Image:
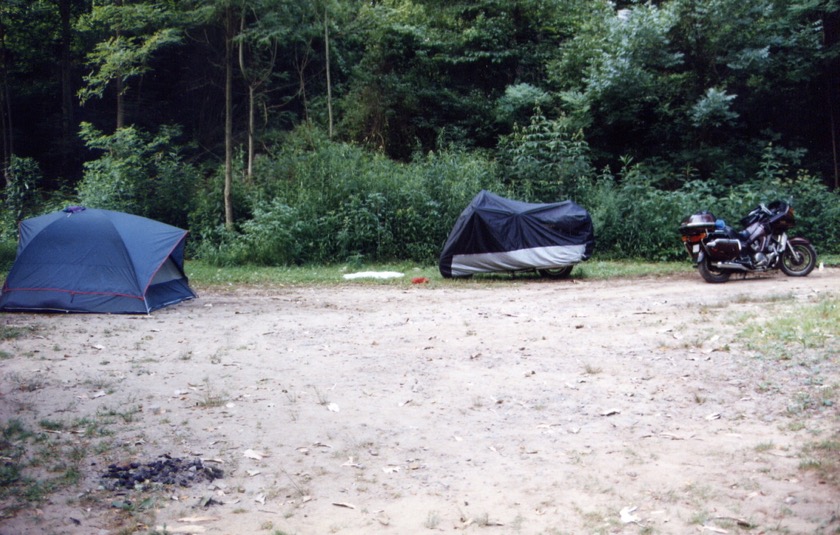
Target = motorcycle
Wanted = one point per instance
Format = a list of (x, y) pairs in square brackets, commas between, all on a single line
[(719, 251)]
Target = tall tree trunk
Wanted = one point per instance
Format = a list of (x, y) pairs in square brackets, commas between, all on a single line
[(67, 126), (301, 62), (252, 104), (228, 193), (251, 101), (120, 86), (831, 27), (327, 58), (120, 103), (832, 119), (5, 107)]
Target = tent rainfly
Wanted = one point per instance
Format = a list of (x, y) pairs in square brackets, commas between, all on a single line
[(99, 261), (495, 234)]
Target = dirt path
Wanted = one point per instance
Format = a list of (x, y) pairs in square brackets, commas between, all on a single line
[(531, 407)]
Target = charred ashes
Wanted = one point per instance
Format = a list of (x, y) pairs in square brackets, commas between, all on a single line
[(164, 471)]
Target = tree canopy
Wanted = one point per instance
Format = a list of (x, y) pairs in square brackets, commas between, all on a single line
[(558, 97)]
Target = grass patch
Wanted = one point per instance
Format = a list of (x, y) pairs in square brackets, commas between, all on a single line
[(51, 425), (211, 397), (25, 383), (608, 269), (744, 299), (43, 457), (813, 326), (823, 458), (764, 446), (92, 427), (124, 414), (24, 453), (11, 332), (829, 260), (807, 336), (203, 274)]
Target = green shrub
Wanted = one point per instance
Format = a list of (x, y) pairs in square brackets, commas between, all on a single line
[(21, 194), (817, 212), (139, 173), (544, 162), (317, 201), (637, 218), (8, 252)]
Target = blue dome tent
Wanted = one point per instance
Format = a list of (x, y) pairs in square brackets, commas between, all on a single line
[(100, 261)]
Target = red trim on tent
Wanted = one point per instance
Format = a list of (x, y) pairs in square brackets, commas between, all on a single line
[(73, 292)]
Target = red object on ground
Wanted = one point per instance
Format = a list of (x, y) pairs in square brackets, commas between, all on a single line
[(419, 280)]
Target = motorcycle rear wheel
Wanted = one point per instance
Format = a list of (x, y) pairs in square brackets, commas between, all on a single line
[(711, 273), (802, 266)]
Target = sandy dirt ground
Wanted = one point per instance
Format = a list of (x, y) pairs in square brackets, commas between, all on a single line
[(498, 407)]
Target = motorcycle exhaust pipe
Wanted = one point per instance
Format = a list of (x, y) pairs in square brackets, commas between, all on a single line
[(730, 265)]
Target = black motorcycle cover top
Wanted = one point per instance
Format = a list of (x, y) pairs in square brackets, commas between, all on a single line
[(497, 234)]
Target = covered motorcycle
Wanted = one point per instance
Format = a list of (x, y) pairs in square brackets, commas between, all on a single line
[(762, 245), (495, 234)]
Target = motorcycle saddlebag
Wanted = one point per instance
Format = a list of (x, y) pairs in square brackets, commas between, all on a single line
[(723, 249)]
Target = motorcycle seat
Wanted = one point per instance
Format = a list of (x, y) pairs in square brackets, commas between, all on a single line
[(730, 233)]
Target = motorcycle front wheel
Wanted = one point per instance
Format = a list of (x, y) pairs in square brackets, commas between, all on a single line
[(798, 260), (710, 273)]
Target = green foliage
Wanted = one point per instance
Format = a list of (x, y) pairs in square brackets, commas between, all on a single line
[(817, 208), (22, 194), (691, 90), (634, 218), (817, 211), (8, 253), (266, 239), (701, 83), (519, 102), (135, 31), (319, 201), (472, 67), (138, 173), (636, 44), (544, 162), (713, 109), (635, 49)]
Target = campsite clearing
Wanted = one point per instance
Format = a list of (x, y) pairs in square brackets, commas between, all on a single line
[(648, 405)]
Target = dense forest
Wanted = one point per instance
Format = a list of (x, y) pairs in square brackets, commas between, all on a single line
[(296, 131)]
